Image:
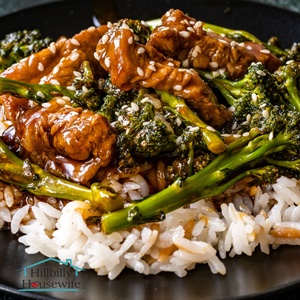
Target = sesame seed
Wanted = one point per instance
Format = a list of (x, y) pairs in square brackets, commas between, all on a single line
[(52, 47), (265, 51), (248, 117), (152, 62), (223, 41), (126, 122), (109, 24), (125, 26), (71, 88), (234, 126), (215, 73), (254, 97), (178, 121), (184, 34), (179, 140), (198, 49), (61, 101), (194, 129), (130, 40), (46, 104), (85, 89), (237, 136), (120, 118), (54, 81), (74, 56), (136, 38), (107, 62), (198, 24), (181, 70), (242, 44), (231, 109), (170, 64), (152, 68), (246, 134), (104, 39), (96, 56), (140, 71), (134, 106), (40, 94), (75, 42), (260, 72), (233, 43), (208, 76), (271, 135), (168, 13), (31, 59), (266, 114), (210, 128), (66, 98), (141, 50), (91, 28), (191, 29), (41, 66), (77, 73), (195, 53), (55, 70), (177, 87), (185, 63), (163, 28), (171, 19), (249, 48), (213, 64)]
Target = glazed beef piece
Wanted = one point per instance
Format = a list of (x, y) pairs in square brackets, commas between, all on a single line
[(57, 63), (70, 142), (133, 65), (183, 38)]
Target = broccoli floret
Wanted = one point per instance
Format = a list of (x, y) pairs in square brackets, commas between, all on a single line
[(211, 137), (20, 44), (180, 167), (257, 101), (141, 30), (143, 130), (288, 82), (114, 97)]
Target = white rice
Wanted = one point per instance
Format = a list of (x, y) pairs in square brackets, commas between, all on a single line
[(186, 238)]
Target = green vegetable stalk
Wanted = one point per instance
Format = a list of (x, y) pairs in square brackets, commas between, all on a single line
[(243, 157), (35, 180)]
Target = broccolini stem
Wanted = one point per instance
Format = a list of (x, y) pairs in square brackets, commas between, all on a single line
[(211, 137), (234, 34), (212, 180), (40, 183)]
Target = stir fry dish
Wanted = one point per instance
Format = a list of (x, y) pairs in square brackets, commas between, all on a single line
[(169, 144)]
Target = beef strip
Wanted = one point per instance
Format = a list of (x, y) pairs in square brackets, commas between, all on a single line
[(56, 63), (68, 141), (133, 65), (184, 39)]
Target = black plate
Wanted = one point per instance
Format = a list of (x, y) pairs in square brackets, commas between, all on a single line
[(259, 276)]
